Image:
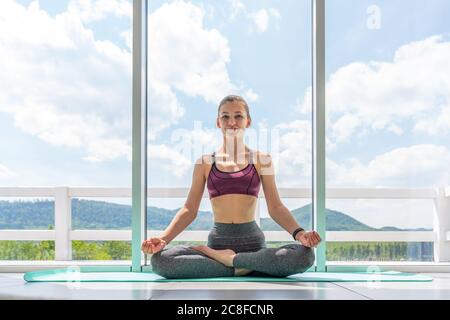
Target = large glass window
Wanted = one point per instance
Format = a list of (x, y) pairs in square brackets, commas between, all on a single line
[(65, 117), (201, 51), (388, 82)]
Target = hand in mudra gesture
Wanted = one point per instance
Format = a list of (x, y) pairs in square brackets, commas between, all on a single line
[(308, 238), (153, 245)]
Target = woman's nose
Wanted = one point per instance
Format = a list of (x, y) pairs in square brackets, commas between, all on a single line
[(231, 121)]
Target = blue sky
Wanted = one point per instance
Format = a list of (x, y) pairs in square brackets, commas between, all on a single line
[(66, 104)]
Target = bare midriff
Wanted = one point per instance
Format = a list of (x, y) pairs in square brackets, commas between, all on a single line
[(232, 208)]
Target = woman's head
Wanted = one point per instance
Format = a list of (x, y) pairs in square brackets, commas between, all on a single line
[(233, 113)]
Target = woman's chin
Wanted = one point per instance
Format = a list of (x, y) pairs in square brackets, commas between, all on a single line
[(236, 133)]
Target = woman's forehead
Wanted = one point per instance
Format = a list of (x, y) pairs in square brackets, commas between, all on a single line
[(232, 107)]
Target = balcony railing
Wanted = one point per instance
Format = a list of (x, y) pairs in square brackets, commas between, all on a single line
[(63, 234)]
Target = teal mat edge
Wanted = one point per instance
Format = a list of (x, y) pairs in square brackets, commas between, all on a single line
[(400, 277)]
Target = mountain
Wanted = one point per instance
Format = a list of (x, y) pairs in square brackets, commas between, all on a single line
[(89, 214)]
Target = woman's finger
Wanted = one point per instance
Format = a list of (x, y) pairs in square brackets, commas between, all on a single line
[(308, 241), (316, 238), (313, 241)]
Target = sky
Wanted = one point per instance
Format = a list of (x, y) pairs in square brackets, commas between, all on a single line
[(65, 98)]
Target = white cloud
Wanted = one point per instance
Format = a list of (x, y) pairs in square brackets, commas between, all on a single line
[(424, 165), (164, 109), (237, 7), (31, 26), (419, 166), (410, 93), (250, 95), (275, 13), (71, 130), (436, 125), (291, 153), (108, 149), (95, 10), (187, 145), (291, 150), (186, 56), (260, 19), (304, 105), (415, 166), (127, 35), (69, 89), (344, 126), (166, 158), (6, 172), (63, 86)]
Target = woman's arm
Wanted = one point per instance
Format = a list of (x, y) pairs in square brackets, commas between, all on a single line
[(188, 212), (279, 213)]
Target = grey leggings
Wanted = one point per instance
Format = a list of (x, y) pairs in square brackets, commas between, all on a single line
[(248, 241)]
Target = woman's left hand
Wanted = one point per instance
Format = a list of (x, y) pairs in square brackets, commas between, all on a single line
[(308, 238)]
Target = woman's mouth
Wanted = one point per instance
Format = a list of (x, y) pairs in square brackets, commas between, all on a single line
[(233, 131)]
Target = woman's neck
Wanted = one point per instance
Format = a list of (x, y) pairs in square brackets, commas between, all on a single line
[(234, 151)]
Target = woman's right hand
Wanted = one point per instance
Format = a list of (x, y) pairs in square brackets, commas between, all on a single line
[(153, 245)]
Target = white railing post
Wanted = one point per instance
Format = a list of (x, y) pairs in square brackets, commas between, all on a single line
[(441, 225), (63, 224)]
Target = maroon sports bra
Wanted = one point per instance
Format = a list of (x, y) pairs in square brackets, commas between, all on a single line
[(245, 181)]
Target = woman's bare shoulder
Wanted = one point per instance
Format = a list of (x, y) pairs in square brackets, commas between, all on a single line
[(204, 162), (262, 158), (264, 163), (204, 159)]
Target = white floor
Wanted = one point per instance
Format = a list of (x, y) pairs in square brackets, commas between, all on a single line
[(12, 286)]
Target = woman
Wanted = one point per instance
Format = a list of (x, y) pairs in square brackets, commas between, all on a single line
[(236, 244)]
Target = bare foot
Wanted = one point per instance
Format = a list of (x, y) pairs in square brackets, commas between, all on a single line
[(241, 271), (223, 256)]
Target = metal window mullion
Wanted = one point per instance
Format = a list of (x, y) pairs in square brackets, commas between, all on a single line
[(139, 136), (318, 128)]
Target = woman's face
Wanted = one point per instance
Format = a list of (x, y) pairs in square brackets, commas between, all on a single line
[(233, 119)]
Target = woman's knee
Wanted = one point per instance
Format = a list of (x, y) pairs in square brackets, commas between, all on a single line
[(164, 262), (302, 258)]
